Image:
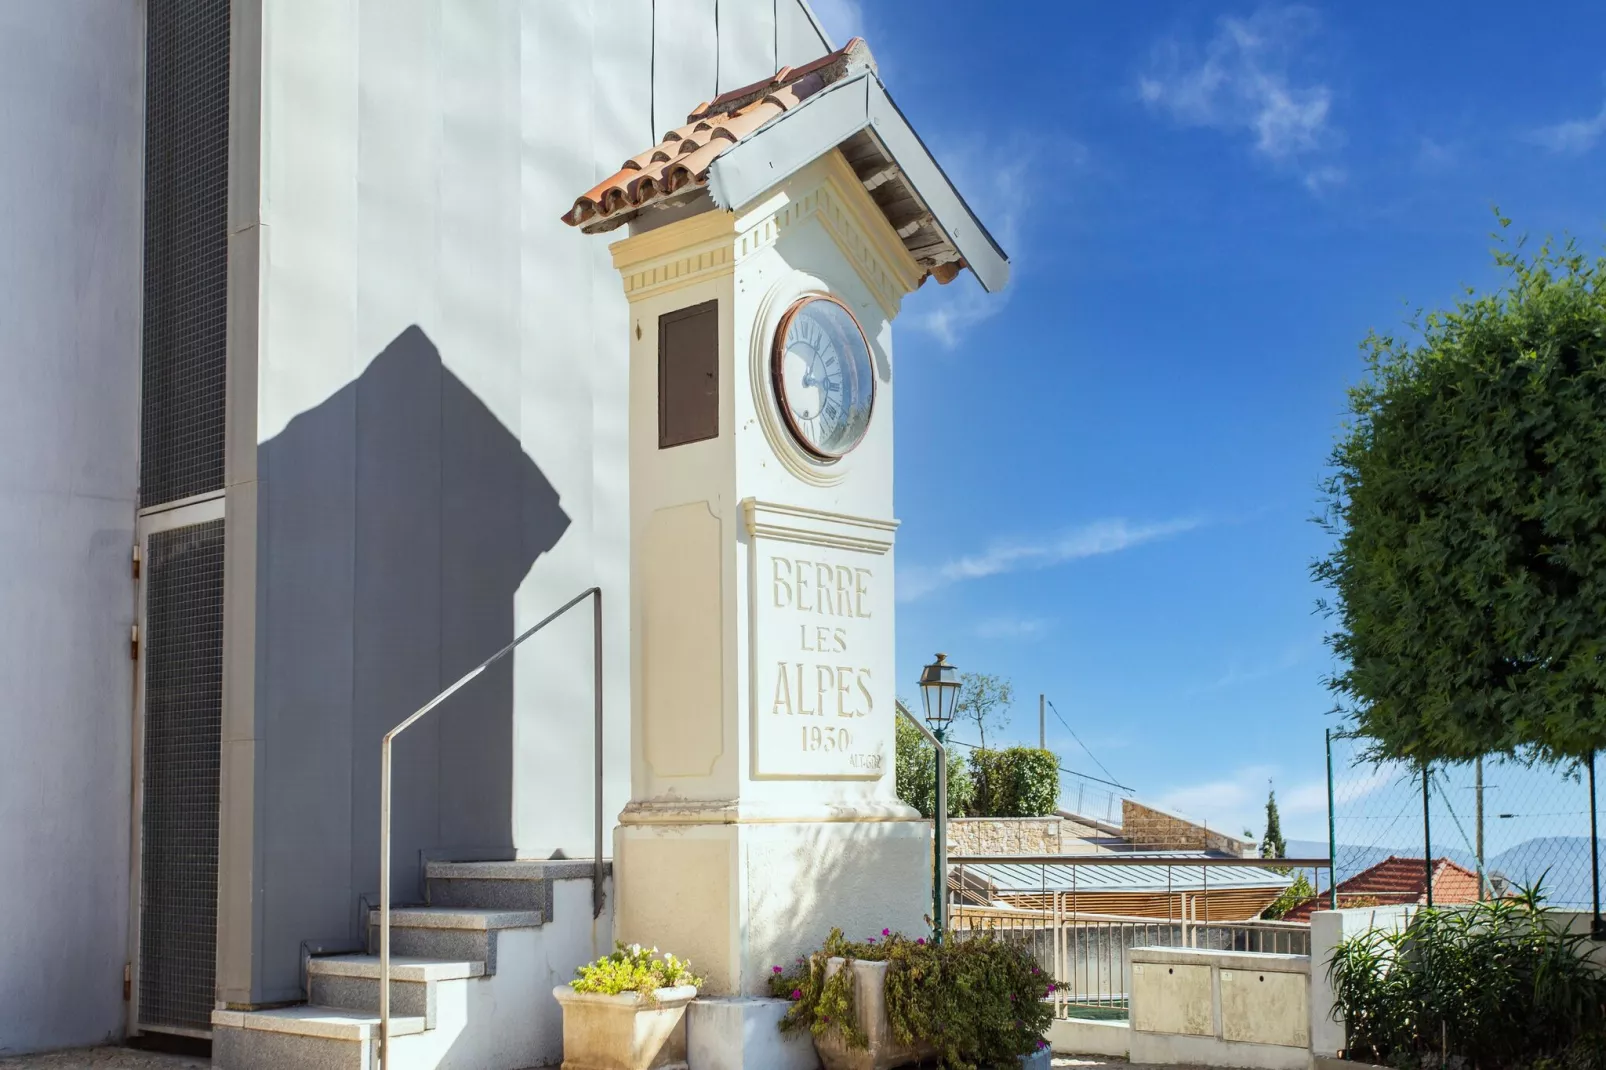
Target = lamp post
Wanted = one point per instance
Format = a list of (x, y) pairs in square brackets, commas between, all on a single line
[(939, 691)]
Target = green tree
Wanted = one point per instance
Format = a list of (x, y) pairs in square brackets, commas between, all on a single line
[(1015, 782), (1468, 501), (915, 766), (1272, 845), (984, 701)]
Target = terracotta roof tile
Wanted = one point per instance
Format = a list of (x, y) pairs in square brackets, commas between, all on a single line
[(1396, 880), (680, 161)]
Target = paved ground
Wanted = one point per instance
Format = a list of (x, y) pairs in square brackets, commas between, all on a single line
[(1100, 1062), (103, 1059), (129, 1059)]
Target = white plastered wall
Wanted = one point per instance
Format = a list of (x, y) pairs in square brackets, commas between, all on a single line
[(71, 78), (415, 157)]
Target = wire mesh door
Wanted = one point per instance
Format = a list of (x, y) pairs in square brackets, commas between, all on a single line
[(181, 707)]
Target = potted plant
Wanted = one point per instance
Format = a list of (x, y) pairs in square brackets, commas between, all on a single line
[(627, 1011), (889, 1001)]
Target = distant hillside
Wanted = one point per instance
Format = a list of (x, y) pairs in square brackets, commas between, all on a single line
[(1559, 864)]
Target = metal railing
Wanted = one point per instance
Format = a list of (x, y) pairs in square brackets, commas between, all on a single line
[(594, 593), (939, 897), (1087, 953)]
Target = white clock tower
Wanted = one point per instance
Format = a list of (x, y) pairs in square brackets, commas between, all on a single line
[(772, 240)]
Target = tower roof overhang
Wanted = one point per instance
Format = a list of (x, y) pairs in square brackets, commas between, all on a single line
[(744, 142)]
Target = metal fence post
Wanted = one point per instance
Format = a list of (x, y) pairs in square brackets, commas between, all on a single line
[(1332, 824), (1597, 928), (1427, 836)]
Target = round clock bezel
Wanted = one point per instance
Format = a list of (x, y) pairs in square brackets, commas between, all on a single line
[(778, 381)]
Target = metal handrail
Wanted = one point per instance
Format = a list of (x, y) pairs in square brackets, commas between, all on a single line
[(1120, 859), (384, 792)]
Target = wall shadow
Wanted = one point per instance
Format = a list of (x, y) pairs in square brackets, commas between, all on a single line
[(397, 520)]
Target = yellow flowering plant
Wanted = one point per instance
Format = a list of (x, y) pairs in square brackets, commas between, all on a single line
[(633, 968)]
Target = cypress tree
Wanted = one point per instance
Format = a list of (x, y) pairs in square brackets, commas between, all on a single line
[(1273, 845)]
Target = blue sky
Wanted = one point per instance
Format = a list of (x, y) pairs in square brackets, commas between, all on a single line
[(1106, 473)]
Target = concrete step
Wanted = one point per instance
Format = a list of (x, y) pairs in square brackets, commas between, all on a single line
[(302, 1038), (352, 982), (453, 934), (516, 885), (452, 1008)]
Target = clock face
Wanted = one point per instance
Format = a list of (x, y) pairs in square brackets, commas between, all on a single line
[(823, 377)]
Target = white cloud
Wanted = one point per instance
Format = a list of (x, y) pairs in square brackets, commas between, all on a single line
[(1230, 804), (842, 19), (1090, 540), (949, 313), (1237, 802), (1242, 81), (1238, 674), (1311, 796), (1433, 155), (1307, 798), (1012, 627), (992, 177), (1573, 136)]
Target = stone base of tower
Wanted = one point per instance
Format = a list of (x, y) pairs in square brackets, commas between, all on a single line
[(741, 898)]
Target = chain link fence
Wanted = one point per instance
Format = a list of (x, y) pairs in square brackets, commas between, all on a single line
[(1495, 827)]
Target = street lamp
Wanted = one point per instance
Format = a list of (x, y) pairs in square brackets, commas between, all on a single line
[(939, 690)]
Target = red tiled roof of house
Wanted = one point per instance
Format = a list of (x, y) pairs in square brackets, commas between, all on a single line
[(679, 163), (1396, 880)]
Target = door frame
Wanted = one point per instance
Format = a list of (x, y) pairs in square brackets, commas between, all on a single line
[(184, 513)]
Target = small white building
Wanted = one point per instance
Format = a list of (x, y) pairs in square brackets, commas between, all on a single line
[(313, 402)]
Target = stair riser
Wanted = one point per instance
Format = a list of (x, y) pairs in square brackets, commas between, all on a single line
[(491, 894), (362, 994), (456, 945), (255, 1049)]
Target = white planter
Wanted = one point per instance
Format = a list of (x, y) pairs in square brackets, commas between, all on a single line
[(870, 1006), (631, 1031)]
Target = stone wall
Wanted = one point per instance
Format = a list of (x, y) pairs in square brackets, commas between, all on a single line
[(1145, 827), (1005, 836)]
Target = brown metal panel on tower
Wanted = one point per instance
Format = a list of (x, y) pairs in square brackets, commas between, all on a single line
[(688, 375)]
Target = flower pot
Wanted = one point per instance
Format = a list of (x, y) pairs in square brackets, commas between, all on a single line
[(1041, 1059), (630, 1031), (870, 1006)]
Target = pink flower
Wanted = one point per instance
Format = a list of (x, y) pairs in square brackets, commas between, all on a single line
[(886, 932), (797, 993), (871, 940), (921, 942), (776, 969)]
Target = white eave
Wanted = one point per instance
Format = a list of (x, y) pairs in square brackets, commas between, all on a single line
[(858, 116)]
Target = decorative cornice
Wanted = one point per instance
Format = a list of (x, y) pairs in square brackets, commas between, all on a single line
[(851, 218), (816, 527), (712, 243), (676, 254), (746, 812)]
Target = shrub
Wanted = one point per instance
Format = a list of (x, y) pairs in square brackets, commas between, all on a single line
[(978, 1001), (1015, 782), (916, 768), (633, 969), (1500, 984), (1291, 897)]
